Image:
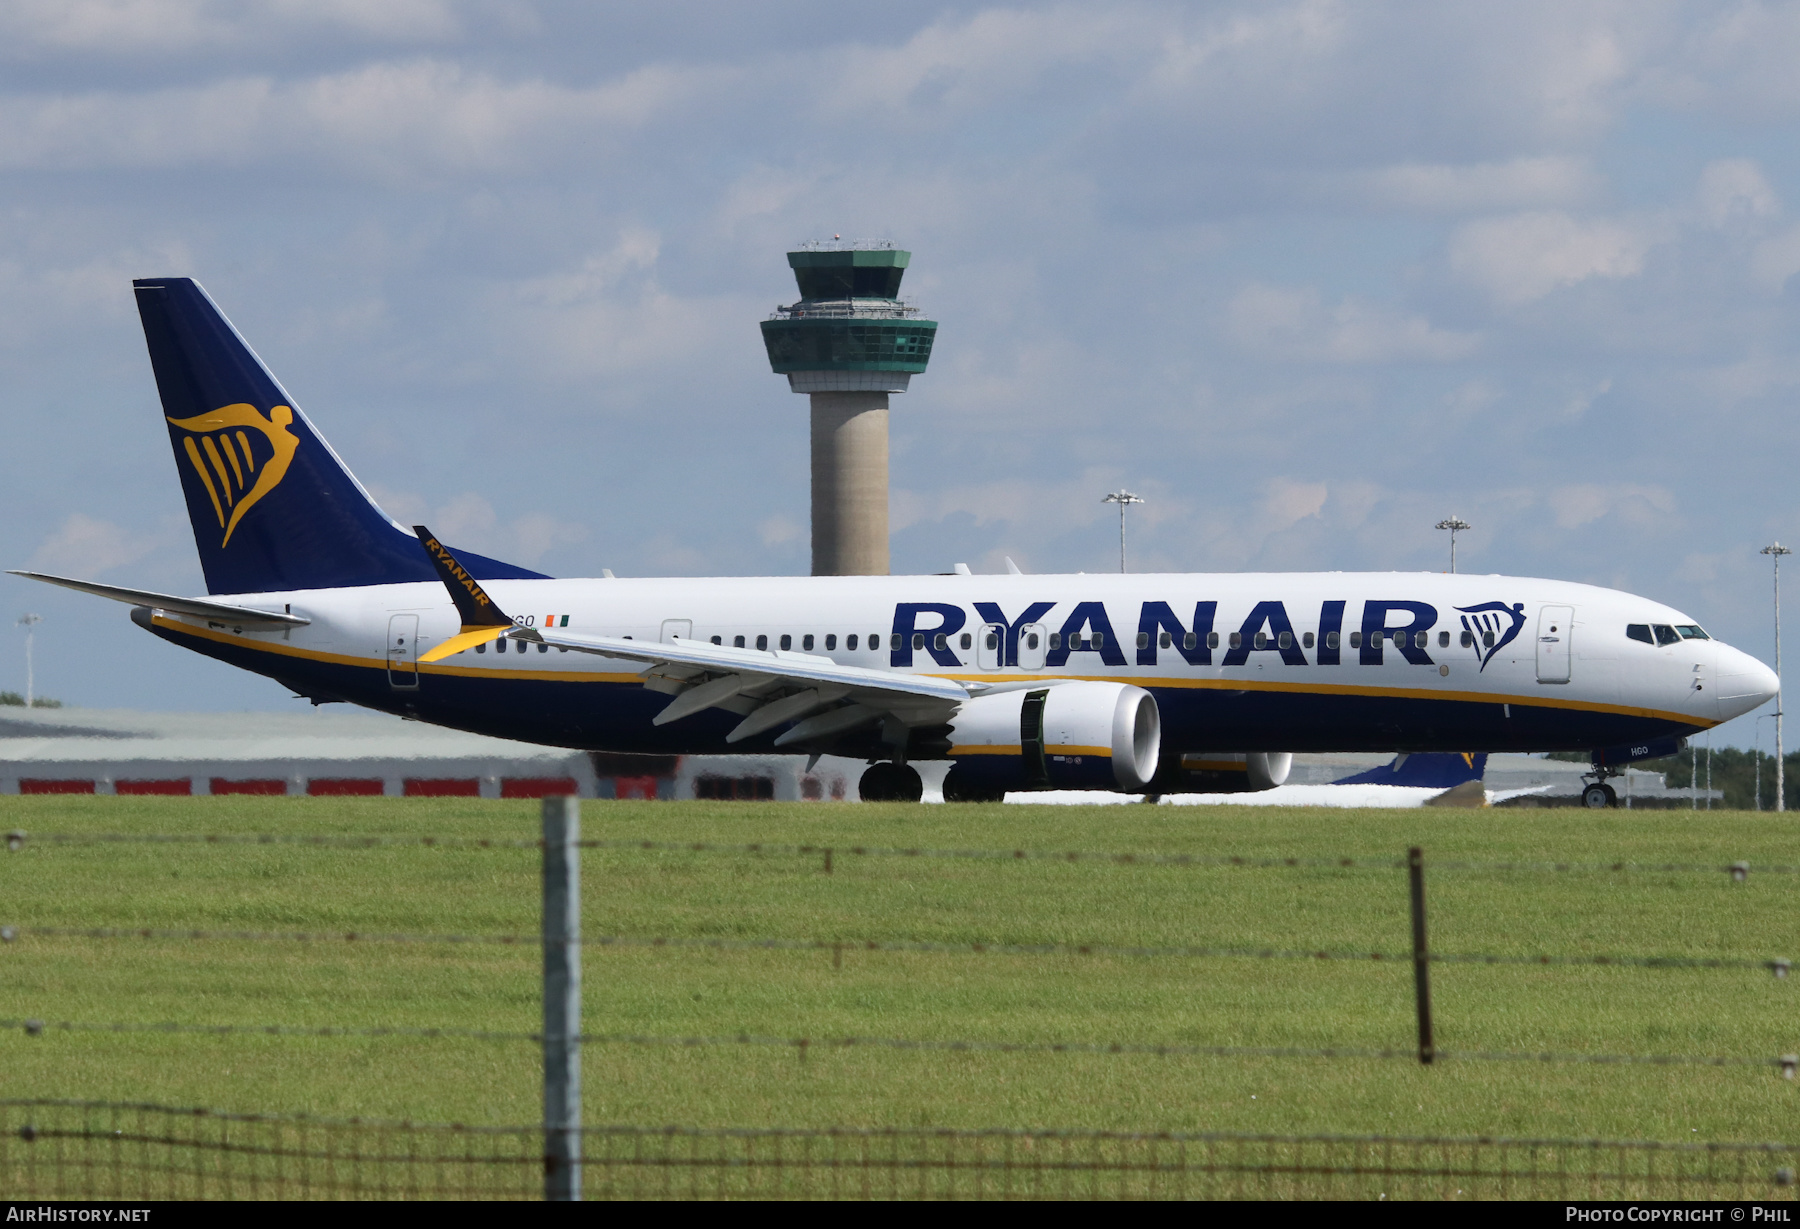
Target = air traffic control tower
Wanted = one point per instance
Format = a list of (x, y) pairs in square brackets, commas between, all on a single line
[(848, 343)]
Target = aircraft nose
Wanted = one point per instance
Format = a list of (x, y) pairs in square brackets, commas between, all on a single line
[(1744, 683)]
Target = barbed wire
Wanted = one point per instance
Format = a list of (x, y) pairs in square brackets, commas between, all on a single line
[(18, 840), (1788, 1063), (1779, 966)]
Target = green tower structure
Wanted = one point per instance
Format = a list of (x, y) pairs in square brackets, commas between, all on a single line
[(848, 344)]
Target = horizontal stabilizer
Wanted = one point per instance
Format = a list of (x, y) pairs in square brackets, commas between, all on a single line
[(197, 607), (1425, 770)]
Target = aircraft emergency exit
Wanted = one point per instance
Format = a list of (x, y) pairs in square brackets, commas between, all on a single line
[(1160, 683)]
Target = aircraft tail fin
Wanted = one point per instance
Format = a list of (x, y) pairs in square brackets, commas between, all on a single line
[(272, 506)]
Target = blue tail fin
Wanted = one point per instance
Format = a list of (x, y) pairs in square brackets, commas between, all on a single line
[(272, 506)]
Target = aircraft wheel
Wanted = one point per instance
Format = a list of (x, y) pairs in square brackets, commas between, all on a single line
[(887, 782), (956, 789), (1598, 796)]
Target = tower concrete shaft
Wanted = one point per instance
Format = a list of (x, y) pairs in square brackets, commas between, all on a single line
[(849, 484)]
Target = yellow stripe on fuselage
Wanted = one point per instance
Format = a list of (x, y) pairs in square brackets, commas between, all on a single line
[(1150, 684)]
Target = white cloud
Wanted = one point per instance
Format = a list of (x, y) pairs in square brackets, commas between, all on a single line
[(1524, 257), (1295, 323), (1734, 190), (386, 118), (1519, 183), (148, 27), (468, 522), (1583, 503), (85, 547), (1775, 260)]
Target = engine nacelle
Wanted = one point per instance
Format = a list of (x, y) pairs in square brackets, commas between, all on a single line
[(1224, 772), (1077, 735)]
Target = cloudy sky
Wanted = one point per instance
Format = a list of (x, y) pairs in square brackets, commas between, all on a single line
[(1308, 276)]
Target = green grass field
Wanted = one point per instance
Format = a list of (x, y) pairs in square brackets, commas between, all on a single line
[(1070, 997)]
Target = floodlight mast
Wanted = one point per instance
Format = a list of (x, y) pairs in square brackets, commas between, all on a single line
[(1124, 499), (1453, 524), (29, 622), (1775, 551)]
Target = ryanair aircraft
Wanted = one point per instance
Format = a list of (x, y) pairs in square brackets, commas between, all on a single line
[(1157, 683)]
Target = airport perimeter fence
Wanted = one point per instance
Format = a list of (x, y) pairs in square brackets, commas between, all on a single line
[(69, 1149), (101, 1150)]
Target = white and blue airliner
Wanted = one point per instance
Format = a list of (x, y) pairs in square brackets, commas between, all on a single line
[(1138, 683)]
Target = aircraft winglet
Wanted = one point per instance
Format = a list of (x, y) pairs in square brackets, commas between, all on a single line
[(482, 618)]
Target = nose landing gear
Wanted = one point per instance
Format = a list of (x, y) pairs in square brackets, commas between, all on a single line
[(1599, 795)]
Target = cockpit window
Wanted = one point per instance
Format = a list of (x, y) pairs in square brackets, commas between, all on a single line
[(1689, 632), (1639, 631), (1666, 635)]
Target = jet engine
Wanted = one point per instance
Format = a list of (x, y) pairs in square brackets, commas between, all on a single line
[(1224, 772), (1076, 735)]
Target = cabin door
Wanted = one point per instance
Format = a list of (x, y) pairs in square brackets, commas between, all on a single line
[(403, 651), (1555, 633)]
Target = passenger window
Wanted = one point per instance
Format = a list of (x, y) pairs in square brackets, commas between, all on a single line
[(1056, 640), (1190, 640), (1331, 640), (993, 641), (939, 643), (875, 642), (737, 642), (1097, 640), (542, 647), (1690, 632), (850, 642), (1287, 640), (831, 642), (1167, 641), (720, 640), (1262, 640), (1666, 635), (1143, 640), (762, 642), (521, 645), (895, 642), (481, 648), (1639, 632), (1031, 641), (1212, 640), (1306, 640), (918, 641), (1237, 640), (1487, 639), (1443, 640), (1356, 640), (807, 642), (787, 642), (1468, 639), (968, 641)]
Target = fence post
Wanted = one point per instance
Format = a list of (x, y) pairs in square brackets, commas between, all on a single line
[(562, 999), (1415, 870)]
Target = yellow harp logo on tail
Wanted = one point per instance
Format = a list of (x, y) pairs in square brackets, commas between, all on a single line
[(240, 456)]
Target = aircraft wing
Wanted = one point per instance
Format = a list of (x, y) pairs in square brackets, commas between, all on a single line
[(769, 687), (239, 616)]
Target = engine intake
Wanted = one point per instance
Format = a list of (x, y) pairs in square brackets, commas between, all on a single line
[(1077, 735)]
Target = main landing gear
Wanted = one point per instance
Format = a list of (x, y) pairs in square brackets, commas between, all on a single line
[(889, 782), (1599, 795)]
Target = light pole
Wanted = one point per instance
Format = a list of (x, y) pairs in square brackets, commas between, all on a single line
[(29, 622), (1775, 551), (1453, 524), (1759, 756), (1123, 498)]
